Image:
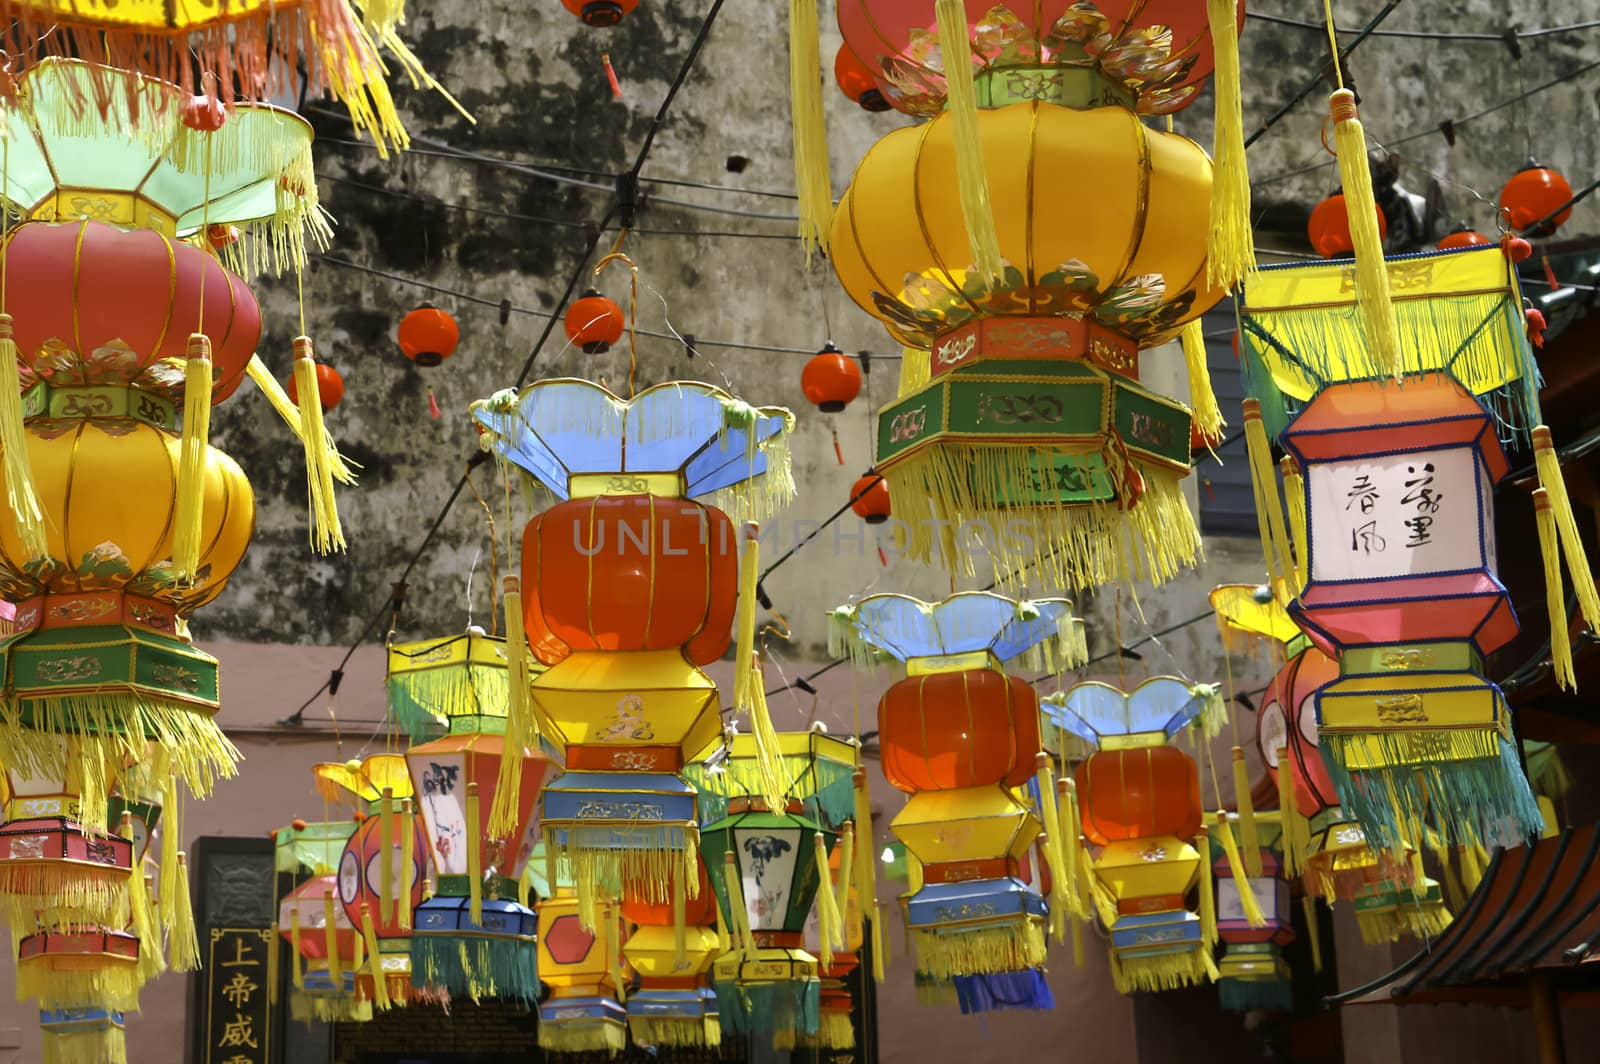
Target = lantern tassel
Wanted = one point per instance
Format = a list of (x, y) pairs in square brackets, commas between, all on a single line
[(1294, 829), (812, 179), (1372, 275), (20, 492), (168, 894), (521, 729), (380, 987), (1550, 479), (408, 856), (1202, 400), (680, 921), (386, 890), (1241, 877), (182, 943), (474, 852), (1269, 515), (1249, 838), (847, 856), (867, 871), (972, 180), (1231, 254), (1053, 850), (189, 509), (1294, 498), (330, 940), (738, 915), (1208, 897), (327, 535), (274, 960), (827, 911), (1554, 595), (297, 972), (1313, 930), (1071, 843), (749, 695), (279, 400), (152, 962)]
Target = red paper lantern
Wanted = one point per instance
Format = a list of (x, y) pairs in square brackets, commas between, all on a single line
[(698, 911), (856, 81), (361, 873), (306, 899), (330, 387), (1139, 794), (629, 572), (84, 287), (1288, 718), (1531, 195), (1463, 237), (831, 379), (594, 322), (600, 12), (958, 729), (1330, 228), (428, 335), (870, 499)]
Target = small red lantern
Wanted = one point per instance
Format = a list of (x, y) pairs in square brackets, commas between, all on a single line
[(428, 335), (950, 730), (831, 379), (1330, 228), (1530, 197), (330, 387), (870, 499), (856, 81), (594, 322), (1463, 236), (600, 12)]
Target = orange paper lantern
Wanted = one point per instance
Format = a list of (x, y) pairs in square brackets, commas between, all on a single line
[(870, 499), (330, 387), (958, 729), (1532, 195), (428, 335), (594, 322), (855, 80), (831, 379), (1138, 794), (1462, 237), (1330, 228), (600, 12)]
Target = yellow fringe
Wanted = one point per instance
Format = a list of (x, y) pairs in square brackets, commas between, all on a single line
[(152, 960), (343, 470), (1554, 594), (1295, 831), (328, 1008), (811, 173), (829, 922), (1308, 903), (380, 989), (298, 972), (57, 895), (1269, 515), (327, 535), (1555, 486), (1208, 895), (274, 952), (834, 1030), (841, 898), (1202, 400), (408, 850), (680, 923), (182, 942), (94, 1045), (1371, 274), (522, 731), (980, 951), (167, 893), (972, 179), (111, 983), (1166, 971), (1231, 254), (749, 687), (1072, 852), (26, 515), (189, 509), (330, 939), (642, 871), (1050, 817), (867, 871), (474, 854), (676, 1031), (916, 370), (1294, 496), (1241, 878), (1249, 838), (583, 1036), (386, 884), (738, 914)]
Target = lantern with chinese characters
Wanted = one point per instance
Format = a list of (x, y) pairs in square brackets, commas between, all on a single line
[(629, 586), (583, 969), (1139, 801), (960, 734), (1391, 526), (474, 937)]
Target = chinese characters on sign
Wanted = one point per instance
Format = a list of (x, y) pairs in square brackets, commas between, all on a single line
[(238, 1002), (1397, 515)]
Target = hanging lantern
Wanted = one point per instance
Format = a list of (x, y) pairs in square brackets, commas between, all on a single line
[(1533, 194), (433, 682), (974, 921), (831, 379), (1329, 228), (869, 498), (584, 971), (673, 1005), (1463, 236), (855, 80), (594, 322), (1386, 912), (330, 387), (600, 12), (428, 335), (88, 1033), (625, 627), (1252, 973), (835, 1032)]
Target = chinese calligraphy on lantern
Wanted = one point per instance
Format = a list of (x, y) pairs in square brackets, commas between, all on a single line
[(1398, 515), (238, 1000)]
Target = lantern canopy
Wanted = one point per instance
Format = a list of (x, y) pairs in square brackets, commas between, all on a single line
[(433, 681)]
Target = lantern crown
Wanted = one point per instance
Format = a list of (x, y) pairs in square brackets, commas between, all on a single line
[(1245, 614), (366, 780), (1150, 715), (968, 629), (311, 847)]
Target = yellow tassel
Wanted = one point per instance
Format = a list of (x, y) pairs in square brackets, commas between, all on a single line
[(867, 873), (916, 370), (1554, 594), (749, 694), (408, 852), (1372, 275), (1269, 515), (1550, 479), (189, 509), (847, 856), (285, 407), (725, 942), (1309, 903), (740, 916), (972, 179), (326, 533), (168, 894), (380, 988), (298, 960), (1071, 842), (1294, 829), (151, 961), (1231, 248), (828, 921), (182, 944), (330, 939), (1208, 895), (1471, 869), (25, 512), (1294, 497), (474, 855), (1050, 815), (1249, 838), (611, 936), (522, 732), (812, 179), (1241, 878), (386, 891), (880, 948), (680, 921), (274, 949), (1202, 400)]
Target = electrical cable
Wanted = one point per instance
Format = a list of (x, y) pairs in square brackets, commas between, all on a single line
[(1429, 35)]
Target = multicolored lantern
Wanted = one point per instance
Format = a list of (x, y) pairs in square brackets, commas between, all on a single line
[(434, 682), (1252, 974), (583, 969), (673, 1004), (960, 735), (327, 950)]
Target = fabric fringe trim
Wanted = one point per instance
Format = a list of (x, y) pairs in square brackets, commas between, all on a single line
[(1165, 971), (306, 1007), (982, 951), (602, 868), (676, 1031), (113, 984), (788, 1010), (59, 895), (583, 1036), (343, 469), (99, 1045), (477, 966)]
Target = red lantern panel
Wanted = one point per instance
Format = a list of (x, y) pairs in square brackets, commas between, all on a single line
[(307, 900), (361, 873), (1136, 794), (1330, 228), (1288, 718), (629, 572), (958, 729), (700, 911), (428, 335)]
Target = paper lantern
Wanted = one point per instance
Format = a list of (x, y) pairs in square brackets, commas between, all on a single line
[(330, 387), (428, 335), (831, 379), (322, 1000), (583, 970), (600, 12), (819, 770), (594, 322), (82, 1033), (1533, 194), (869, 499), (962, 729), (1329, 228), (1252, 973), (1287, 719), (433, 682), (855, 80), (1140, 793), (1463, 237), (1389, 911)]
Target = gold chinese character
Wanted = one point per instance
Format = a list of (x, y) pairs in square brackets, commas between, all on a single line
[(240, 957), (239, 1031), (239, 990), (239, 1058)]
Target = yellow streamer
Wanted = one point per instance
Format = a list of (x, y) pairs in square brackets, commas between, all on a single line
[(522, 731), (330, 940), (1313, 929), (23, 498), (1294, 497), (1555, 486), (812, 179), (408, 855), (972, 179), (1294, 829), (1249, 838), (189, 508), (1247, 895), (1269, 515), (380, 985), (386, 887), (182, 943), (168, 894), (828, 920), (475, 854), (286, 409), (1202, 399), (1372, 276), (327, 535), (1054, 851), (847, 854), (1231, 247), (1554, 593), (274, 959)]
